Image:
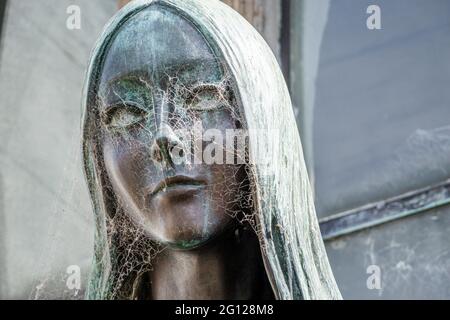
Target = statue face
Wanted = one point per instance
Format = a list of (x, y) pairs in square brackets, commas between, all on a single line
[(160, 81)]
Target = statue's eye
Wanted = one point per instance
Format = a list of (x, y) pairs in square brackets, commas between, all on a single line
[(124, 115), (206, 98)]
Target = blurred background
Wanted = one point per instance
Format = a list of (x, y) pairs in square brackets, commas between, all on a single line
[(370, 89)]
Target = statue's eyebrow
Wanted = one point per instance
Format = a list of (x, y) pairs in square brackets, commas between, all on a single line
[(136, 75), (169, 69), (191, 65), (115, 89), (143, 78)]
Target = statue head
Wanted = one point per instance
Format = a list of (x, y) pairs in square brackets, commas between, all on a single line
[(183, 104), (165, 106)]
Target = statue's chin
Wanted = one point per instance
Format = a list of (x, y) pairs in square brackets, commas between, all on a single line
[(191, 242), (184, 221)]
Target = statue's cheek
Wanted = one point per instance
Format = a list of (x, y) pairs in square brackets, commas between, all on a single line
[(127, 163)]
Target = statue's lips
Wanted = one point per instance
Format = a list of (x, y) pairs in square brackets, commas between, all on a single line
[(178, 183)]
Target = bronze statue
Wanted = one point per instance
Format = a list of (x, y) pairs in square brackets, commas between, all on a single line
[(180, 212)]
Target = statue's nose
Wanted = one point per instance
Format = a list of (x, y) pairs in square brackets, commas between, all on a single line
[(166, 148), (163, 145)]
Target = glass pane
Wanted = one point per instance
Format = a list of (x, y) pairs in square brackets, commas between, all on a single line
[(412, 256), (382, 110)]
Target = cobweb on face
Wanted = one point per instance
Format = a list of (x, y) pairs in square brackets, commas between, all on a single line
[(131, 251), (183, 110)]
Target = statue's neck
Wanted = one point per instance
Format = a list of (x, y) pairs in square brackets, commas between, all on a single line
[(230, 267)]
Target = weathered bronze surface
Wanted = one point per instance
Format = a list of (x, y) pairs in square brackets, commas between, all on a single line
[(168, 80), (188, 208)]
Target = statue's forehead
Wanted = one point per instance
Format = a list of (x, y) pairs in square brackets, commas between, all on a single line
[(153, 41)]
